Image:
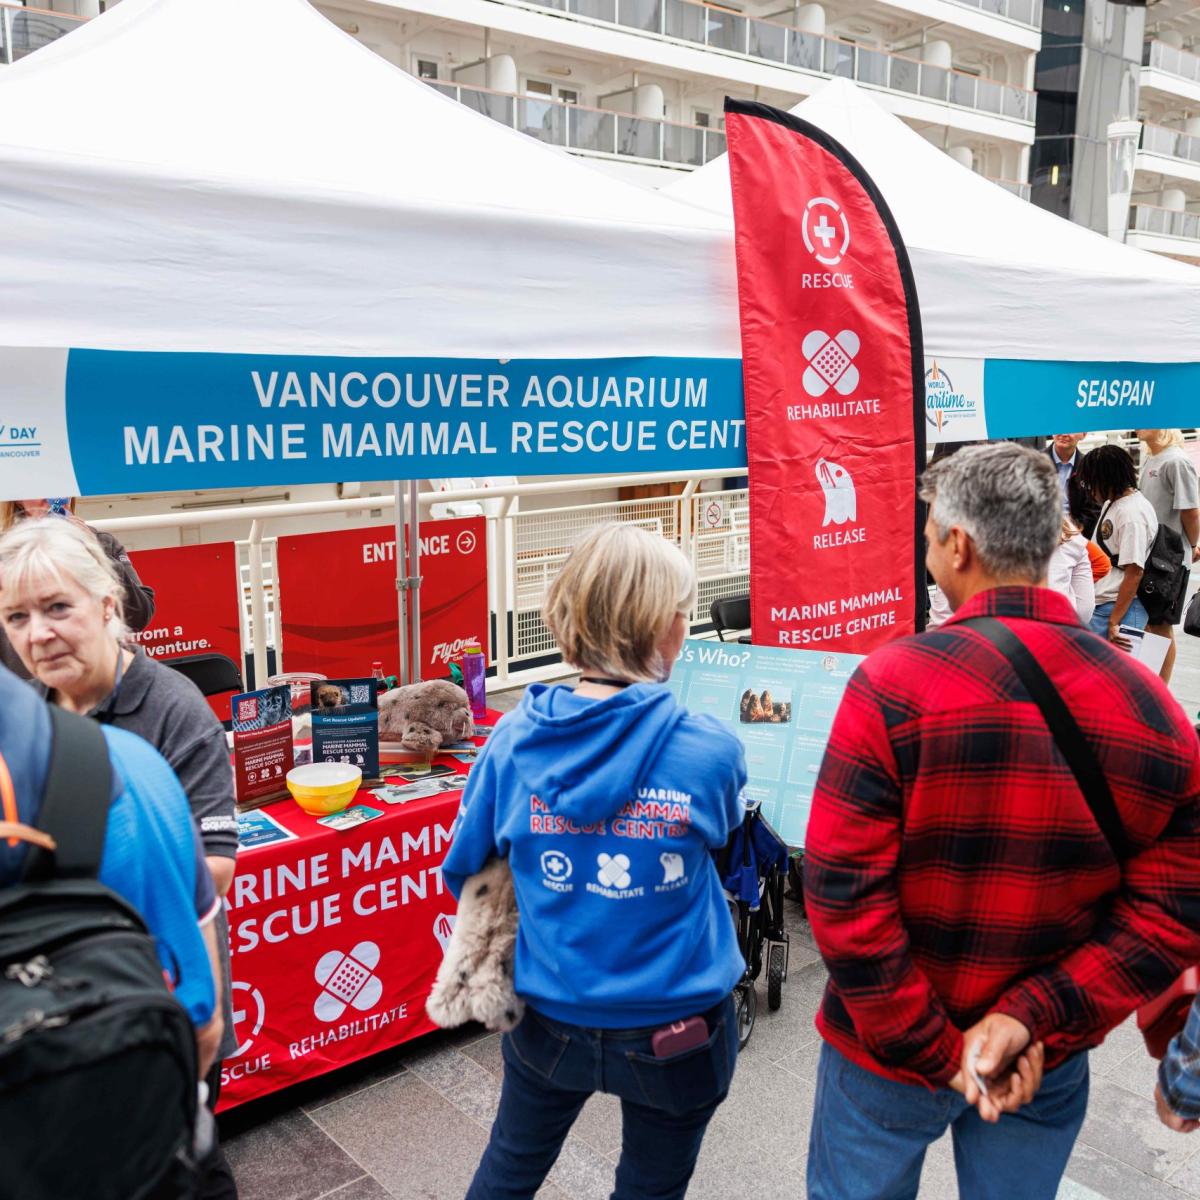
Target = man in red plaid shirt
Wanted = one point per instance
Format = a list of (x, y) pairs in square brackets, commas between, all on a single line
[(966, 902)]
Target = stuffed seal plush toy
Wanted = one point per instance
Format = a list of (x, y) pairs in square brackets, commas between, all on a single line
[(475, 980), (425, 716)]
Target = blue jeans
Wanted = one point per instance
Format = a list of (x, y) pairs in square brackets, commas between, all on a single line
[(869, 1136), (1137, 617), (550, 1069)]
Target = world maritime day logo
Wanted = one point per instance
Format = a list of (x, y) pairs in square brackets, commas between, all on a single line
[(944, 406)]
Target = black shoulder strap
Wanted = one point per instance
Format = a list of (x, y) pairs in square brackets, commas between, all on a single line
[(1100, 537), (1068, 737), (75, 801)]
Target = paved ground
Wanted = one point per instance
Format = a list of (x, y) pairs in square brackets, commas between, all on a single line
[(412, 1124)]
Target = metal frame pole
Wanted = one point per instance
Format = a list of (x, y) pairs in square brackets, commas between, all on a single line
[(401, 583), (413, 583)]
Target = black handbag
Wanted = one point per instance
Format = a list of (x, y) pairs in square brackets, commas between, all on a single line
[(1191, 619)]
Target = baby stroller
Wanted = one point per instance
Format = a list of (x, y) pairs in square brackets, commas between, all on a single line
[(753, 869)]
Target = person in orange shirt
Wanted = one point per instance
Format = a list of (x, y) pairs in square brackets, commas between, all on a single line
[(1101, 563)]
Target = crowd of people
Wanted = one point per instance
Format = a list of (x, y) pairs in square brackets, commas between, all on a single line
[(1002, 862)]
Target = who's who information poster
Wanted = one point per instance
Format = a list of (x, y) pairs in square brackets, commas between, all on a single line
[(781, 704)]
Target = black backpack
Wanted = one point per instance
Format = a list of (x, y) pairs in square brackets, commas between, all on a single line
[(98, 1093), (1164, 574), (1164, 580)]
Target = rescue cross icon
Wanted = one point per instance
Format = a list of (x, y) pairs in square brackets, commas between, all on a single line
[(825, 230), (830, 362), (347, 979), (249, 1012)]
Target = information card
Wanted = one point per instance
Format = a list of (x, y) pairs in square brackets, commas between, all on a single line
[(262, 743), (345, 723), (781, 704)]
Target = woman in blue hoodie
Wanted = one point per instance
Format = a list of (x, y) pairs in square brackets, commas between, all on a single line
[(607, 800)]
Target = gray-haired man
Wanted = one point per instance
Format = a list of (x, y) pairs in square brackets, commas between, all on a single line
[(960, 890)]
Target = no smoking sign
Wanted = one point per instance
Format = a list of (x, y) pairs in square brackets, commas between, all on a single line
[(714, 514)]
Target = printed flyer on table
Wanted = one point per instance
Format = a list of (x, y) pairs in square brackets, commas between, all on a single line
[(781, 704)]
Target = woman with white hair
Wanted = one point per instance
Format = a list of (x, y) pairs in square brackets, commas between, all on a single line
[(1168, 480), (607, 800), (137, 598), (61, 606)]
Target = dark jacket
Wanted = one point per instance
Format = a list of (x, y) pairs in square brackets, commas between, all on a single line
[(138, 600), (1085, 512)]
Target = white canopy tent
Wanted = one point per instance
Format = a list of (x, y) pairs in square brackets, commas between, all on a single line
[(1037, 305), (242, 189)]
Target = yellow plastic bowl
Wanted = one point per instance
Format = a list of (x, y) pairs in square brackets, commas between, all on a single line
[(322, 788)]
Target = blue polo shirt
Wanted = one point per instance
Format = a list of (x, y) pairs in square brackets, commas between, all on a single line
[(152, 853)]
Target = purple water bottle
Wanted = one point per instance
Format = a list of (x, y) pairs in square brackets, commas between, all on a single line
[(474, 670)]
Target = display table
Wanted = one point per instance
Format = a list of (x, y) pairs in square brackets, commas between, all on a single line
[(335, 939)]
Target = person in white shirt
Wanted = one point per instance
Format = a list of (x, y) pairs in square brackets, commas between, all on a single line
[(1125, 532), (1069, 572), (1168, 481)]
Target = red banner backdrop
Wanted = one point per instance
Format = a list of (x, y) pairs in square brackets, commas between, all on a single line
[(833, 373), (196, 605), (335, 940), (338, 598)]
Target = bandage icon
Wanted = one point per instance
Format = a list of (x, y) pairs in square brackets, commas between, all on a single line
[(347, 979), (830, 362)]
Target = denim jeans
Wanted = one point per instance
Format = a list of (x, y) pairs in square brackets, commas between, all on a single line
[(1137, 617), (550, 1069), (869, 1136)]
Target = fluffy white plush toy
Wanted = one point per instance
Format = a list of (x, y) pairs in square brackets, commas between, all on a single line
[(475, 980)]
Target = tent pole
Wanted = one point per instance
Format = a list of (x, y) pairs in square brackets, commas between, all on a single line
[(401, 589), (414, 576)]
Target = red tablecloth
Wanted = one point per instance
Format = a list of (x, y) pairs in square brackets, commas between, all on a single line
[(335, 940)]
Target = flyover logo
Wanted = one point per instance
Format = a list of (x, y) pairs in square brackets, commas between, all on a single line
[(944, 405), (830, 362), (825, 230)]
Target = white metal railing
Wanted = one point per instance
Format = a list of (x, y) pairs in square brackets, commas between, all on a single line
[(595, 131), (1147, 218), (1174, 143), (1024, 190), (1171, 61), (24, 30), (525, 551), (785, 46)]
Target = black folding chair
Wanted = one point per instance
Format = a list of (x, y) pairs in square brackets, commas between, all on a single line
[(211, 673), (729, 614)]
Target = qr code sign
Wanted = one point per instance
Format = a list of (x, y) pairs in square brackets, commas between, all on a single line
[(360, 693), (248, 709)]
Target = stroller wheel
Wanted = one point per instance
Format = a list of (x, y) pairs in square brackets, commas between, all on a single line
[(776, 965), (747, 1010)]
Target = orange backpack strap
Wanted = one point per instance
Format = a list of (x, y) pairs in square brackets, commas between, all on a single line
[(8, 804), (16, 832)]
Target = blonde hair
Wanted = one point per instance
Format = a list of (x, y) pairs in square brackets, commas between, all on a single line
[(11, 512), (1163, 439), (617, 594), (52, 548)]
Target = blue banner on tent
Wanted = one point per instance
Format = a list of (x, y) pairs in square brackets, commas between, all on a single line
[(1026, 398), (146, 421)]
